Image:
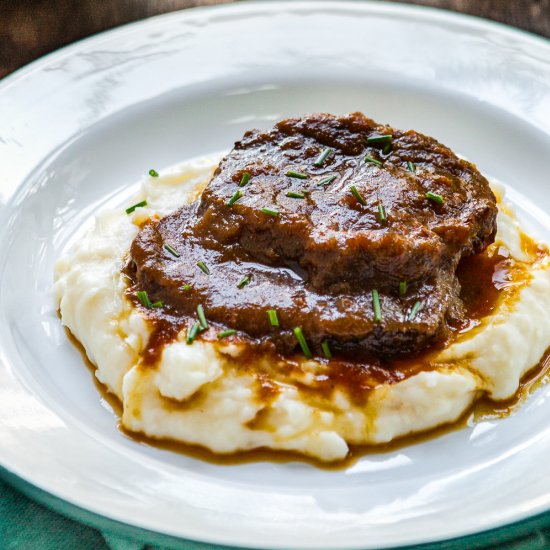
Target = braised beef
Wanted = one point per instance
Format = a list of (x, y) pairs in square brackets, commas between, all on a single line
[(399, 209)]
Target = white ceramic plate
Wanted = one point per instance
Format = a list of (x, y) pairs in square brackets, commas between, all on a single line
[(79, 127)]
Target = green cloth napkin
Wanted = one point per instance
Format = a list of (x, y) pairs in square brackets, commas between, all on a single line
[(25, 524)]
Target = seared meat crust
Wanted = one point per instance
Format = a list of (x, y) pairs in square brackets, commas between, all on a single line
[(319, 259)]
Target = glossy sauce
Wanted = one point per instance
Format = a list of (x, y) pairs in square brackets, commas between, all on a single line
[(483, 278), (484, 409), (329, 261)]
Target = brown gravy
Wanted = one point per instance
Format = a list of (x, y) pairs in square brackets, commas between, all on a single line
[(483, 278), (483, 409)]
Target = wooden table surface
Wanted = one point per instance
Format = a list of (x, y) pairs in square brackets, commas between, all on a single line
[(31, 28)]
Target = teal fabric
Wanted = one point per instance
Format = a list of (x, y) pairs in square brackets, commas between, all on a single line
[(24, 524)]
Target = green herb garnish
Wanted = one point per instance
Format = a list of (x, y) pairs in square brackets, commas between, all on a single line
[(172, 250), (386, 150), (202, 317), (302, 341), (357, 195), (270, 212), (137, 205), (327, 180), (160, 303), (192, 333), (203, 267), (326, 350), (323, 156), (415, 309), (143, 297), (373, 161), (411, 166), (402, 288), (381, 213), (385, 139), (299, 175), (273, 319), (294, 195), (376, 306), (185, 287), (245, 178), (243, 282), (434, 197), (236, 196), (226, 333), (153, 173)]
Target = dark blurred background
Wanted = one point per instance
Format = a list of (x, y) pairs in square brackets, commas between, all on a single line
[(31, 28)]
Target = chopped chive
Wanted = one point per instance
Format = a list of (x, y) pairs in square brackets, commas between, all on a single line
[(243, 282), (245, 178), (326, 350), (192, 333), (172, 250), (273, 319), (327, 180), (153, 173), (402, 288), (385, 139), (143, 297), (434, 197), (411, 166), (357, 195), (236, 196), (299, 175), (185, 287), (137, 205), (294, 195), (202, 317), (226, 333), (203, 267), (323, 156), (160, 303), (415, 309), (270, 212), (376, 305), (302, 341), (381, 213), (373, 161), (386, 150)]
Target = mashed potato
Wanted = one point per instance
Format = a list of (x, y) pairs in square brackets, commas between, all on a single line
[(195, 394)]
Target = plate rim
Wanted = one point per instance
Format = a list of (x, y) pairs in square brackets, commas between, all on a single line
[(520, 527), (511, 532), (385, 6)]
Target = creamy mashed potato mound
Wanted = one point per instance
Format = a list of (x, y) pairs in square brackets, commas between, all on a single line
[(195, 394)]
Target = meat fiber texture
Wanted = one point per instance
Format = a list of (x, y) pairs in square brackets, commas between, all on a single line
[(383, 207)]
